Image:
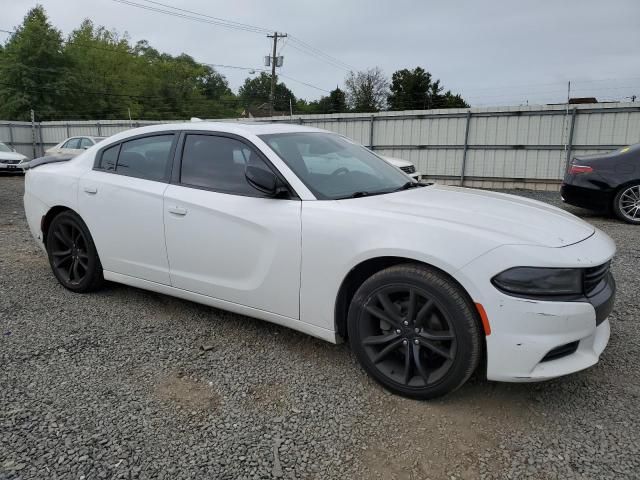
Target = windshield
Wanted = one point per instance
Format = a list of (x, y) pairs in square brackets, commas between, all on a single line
[(4, 148), (333, 167)]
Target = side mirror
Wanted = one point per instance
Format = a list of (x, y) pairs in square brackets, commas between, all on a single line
[(85, 148), (264, 180)]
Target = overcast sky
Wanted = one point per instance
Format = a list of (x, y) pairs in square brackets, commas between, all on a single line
[(493, 52)]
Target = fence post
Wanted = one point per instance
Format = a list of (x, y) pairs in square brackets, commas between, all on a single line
[(68, 130), (465, 148), (373, 118), (570, 139), (33, 132), (11, 135), (41, 139), (99, 128)]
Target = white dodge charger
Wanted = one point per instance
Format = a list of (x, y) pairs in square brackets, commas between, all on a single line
[(307, 229)]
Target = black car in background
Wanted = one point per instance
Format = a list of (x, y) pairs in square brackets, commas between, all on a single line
[(606, 182)]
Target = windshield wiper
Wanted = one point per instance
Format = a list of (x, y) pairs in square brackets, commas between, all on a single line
[(359, 194), (407, 186)]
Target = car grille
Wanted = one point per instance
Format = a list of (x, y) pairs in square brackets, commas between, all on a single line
[(408, 169), (10, 162), (594, 277)]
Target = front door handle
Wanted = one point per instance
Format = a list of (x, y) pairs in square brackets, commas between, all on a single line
[(91, 190), (178, 211)]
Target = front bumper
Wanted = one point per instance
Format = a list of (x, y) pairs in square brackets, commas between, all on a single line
[(525, 333), (10, 167)]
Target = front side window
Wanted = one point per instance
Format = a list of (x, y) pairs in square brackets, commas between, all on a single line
[(72, 143), (147, 157), (218, 163), (4, 148), (333, 167), (85, 143)]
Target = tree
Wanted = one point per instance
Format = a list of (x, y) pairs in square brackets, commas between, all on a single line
[(256, 91), (335, 102), (417, 90), (33, 69), (367, 90)]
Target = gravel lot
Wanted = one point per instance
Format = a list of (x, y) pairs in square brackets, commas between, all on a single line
[(125, 383)]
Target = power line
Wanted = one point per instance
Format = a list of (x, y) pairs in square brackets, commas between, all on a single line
[(246, 25), (204, 18)]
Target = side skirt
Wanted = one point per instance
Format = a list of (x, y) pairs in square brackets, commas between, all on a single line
[(322, 333)]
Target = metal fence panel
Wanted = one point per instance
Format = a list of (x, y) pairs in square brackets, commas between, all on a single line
[(505, 146)]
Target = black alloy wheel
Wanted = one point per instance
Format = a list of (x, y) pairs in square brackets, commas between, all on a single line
[(415, 331), (72, 253)]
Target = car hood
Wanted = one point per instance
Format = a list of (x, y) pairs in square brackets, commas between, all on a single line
[(397, 162), (514, 219), (11, 156)]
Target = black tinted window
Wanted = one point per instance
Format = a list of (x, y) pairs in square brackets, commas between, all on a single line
[(218, 163), (109, 158), (146, 158)]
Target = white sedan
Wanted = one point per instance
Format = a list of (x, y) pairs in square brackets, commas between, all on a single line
[(10, 160), (404, 165), (73, 145), (426, 282)]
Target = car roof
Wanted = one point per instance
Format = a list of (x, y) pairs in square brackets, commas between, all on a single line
[(236, 127)]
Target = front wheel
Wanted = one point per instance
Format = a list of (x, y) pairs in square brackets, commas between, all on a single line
[(626, 204), (415, 331), (72, 253)]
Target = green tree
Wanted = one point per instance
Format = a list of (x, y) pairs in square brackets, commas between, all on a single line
[(255, 92), (33, 70), (417, 90), (335, 102), (367, 90)]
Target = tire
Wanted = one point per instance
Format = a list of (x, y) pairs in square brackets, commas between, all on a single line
[(72, 254), (626, 204), (421, 352)]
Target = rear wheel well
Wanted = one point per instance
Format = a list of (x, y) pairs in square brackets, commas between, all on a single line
[(49, 216)]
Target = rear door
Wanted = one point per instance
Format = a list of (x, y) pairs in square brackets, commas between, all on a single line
[(224, 238), (121, 200)]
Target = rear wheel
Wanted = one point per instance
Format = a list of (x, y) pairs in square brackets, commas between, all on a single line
[(72, 254), (626, 204), (415, 331)]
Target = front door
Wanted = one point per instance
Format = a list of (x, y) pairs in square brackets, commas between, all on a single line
[(224, 238)]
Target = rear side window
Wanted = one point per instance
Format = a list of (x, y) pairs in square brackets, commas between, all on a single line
[(146, 158), (109, 158), (73, 143), (218, 163), (85, 143)]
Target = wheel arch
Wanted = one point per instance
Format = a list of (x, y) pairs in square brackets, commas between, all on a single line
[(365, 269), (50, 215)]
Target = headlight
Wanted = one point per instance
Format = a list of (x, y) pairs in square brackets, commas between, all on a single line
[(539, 282)]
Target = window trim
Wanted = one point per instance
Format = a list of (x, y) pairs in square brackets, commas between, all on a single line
[(177, 168), (170, 161)]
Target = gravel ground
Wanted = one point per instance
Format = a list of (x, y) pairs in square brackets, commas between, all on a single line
[(124, 383)]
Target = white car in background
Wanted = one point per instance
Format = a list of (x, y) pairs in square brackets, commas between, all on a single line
[(310, 230), (404, 165), (10, 160), (73, 145)]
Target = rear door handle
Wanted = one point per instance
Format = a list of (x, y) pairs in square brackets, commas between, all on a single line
[(91, 190), (178, 211)]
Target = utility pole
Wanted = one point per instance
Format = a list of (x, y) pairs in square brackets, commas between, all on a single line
[(274, 61)]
